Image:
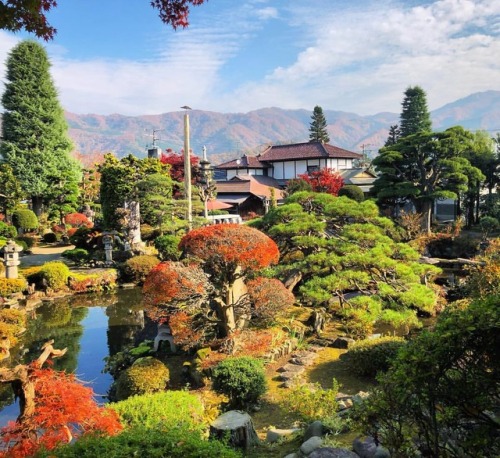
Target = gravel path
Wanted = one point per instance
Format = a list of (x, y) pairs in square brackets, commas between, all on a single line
[(43, 254)]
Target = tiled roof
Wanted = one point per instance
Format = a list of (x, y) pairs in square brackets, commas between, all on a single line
[(245, 162), (310, 150), (257, 185)]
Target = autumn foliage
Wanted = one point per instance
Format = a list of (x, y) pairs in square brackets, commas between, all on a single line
[(324, 180), (224, 247), (64, 409), (78, 220)]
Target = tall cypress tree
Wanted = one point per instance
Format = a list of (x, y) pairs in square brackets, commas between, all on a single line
[(415, 117), (35, 139), (317, 128)]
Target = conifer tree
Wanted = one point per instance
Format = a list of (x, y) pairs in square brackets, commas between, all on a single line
[(317, 128), (393, 137), (35, 140), (415, 117)]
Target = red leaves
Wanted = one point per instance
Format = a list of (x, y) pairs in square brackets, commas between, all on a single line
[(324, 180), (175, 12), (269, 297), (78, 220), (64, 408), (231, 245)]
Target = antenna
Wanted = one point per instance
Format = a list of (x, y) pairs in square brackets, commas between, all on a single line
[(155, 137)]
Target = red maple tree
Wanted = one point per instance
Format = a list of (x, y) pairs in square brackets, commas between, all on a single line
[(324, 180)]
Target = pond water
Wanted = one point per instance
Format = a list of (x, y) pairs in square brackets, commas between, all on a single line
[(92, 327)]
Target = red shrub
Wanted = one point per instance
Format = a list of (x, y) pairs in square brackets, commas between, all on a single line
[(78, 220), (269, 298), (324, 180)]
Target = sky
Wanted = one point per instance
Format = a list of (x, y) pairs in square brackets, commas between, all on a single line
[(115, 56)]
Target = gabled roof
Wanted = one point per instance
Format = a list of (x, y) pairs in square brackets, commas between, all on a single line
[(245, 162), (310, 150), (257, 185)]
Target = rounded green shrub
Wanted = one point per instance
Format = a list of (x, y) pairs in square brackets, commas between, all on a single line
[(51, 237), (168, 247), (353, 192), (55, 274), (146, 375), (29, 241), (10, 286), (241, 379), (77, 255), (136, 269), (7, 231), (24, 219), (22, 244), (167, 409), (369, 356)]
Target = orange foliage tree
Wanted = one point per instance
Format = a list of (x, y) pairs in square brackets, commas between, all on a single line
[(225, 253), (324, 180), (55, 407)]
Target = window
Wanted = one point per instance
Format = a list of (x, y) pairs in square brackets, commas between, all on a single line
[(312, 168)]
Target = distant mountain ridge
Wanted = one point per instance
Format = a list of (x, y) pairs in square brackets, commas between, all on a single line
[(227, 135)]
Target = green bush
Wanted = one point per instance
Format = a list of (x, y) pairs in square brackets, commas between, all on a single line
[(24, 219), (22, 244), (146, 375), (148, 232), (84, 237), (241, 379), (353, 192), (29, 241), (10, 286), (77, 255), (168, 409), (136, 269), (488, 225), (369, 356), (55, 274), (144, 442), (51, 237), (168, 247), (7, 230)]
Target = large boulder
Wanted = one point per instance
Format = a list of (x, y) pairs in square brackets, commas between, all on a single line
[(238, 426)]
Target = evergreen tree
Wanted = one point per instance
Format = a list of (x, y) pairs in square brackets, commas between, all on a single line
[(415, 117), (317, 128), (393, 137), (35, 141)]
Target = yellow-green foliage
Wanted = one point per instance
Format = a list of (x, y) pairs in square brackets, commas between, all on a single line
[(84, 283), (11, 323), (146, 375), (137, 268), (55, 274), (168, 409), (369, 356), (10, 286), (312, 402)]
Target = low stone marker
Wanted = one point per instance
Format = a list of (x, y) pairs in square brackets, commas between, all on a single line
[(238, 426)]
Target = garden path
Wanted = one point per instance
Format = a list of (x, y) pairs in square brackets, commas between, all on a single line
[(44, 253)]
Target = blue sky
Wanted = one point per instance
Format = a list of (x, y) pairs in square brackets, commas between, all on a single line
[(115, 56)]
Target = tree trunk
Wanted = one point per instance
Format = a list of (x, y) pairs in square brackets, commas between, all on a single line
[(37, 205), (426, 210)]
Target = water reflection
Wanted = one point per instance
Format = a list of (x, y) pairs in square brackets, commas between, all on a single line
[(91, 326)]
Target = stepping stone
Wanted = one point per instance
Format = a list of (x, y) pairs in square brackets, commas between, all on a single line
[(292, 368)]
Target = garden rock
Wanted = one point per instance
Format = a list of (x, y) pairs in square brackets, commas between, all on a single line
[(292, 368), (238, 425), (329, 452), (274, 435), (314, 429), (343, 342), (367, 448), (310, 445), (292, 455)]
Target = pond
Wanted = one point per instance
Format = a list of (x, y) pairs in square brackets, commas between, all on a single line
[(91, 326)]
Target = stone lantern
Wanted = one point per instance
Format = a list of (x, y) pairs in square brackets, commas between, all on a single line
[(107, 240), (11, 258)]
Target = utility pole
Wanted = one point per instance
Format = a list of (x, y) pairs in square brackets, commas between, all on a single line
[(187, 169)]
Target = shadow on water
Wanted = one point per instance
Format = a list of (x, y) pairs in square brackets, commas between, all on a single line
[(91, 326)]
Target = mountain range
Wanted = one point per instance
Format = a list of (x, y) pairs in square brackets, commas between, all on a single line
[(229, 135)]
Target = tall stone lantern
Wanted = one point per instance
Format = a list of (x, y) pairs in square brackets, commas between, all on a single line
[(11, 258)]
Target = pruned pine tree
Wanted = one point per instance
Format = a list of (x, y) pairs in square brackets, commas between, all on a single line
[(317, 128), (35, 133), (415, 117)]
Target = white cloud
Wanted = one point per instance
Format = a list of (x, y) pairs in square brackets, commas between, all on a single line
[(267, 13)]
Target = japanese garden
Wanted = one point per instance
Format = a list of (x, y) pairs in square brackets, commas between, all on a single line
[(330, 321)]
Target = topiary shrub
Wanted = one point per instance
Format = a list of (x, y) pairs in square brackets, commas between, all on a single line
[(10, 286), (149, 232), (77, 255), (488, 225), (55, 274), (51, 237), (369, 356), (24, 219), (146, 375), (241, 379), (136, 269), (168, 247), (22, 244), (77, 220), (167, 408), (7, 231), (29, 241), (353, 192)]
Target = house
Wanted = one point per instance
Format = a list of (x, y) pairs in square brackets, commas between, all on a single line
[(247, 182)]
